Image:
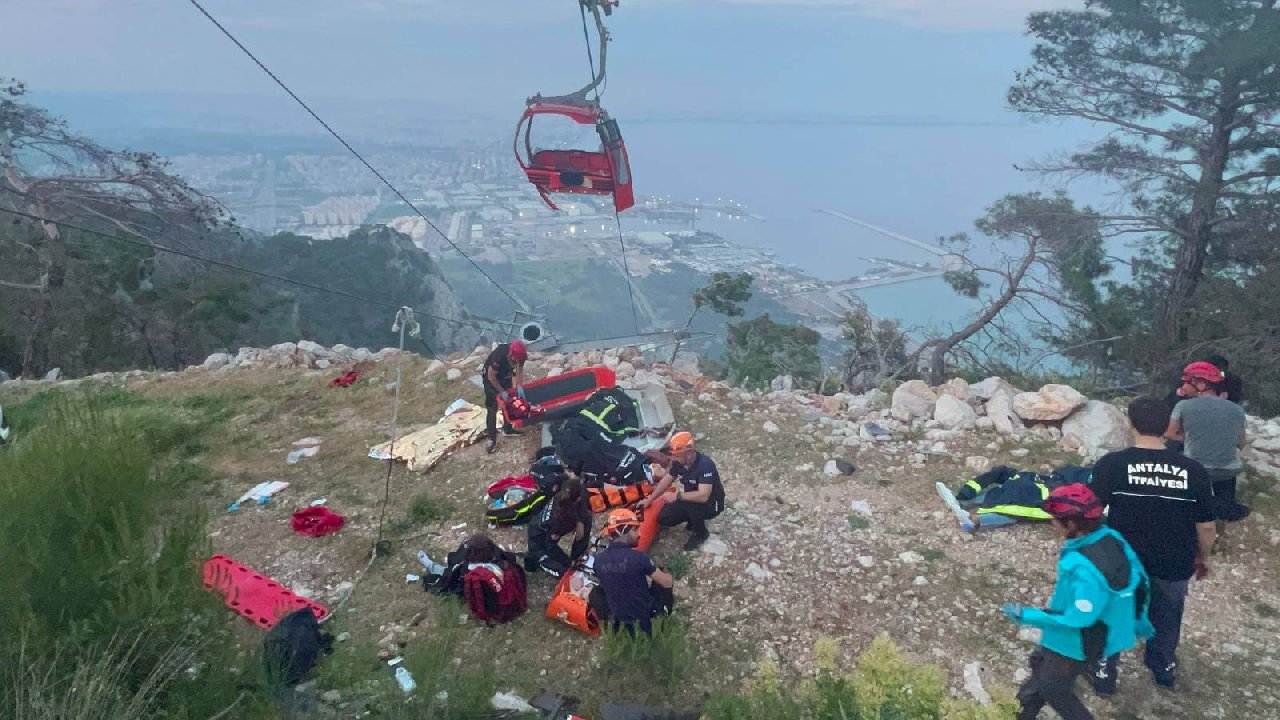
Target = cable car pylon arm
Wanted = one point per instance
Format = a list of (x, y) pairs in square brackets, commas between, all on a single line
[(581, 97)]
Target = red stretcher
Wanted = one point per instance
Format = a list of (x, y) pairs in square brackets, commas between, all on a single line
[(561, 395), (256, 597)]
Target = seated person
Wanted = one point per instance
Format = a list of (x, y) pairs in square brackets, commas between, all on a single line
[(700, 496), (565, 514), (635, 589)]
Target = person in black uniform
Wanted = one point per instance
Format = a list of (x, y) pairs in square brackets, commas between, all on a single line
[(503, 375)]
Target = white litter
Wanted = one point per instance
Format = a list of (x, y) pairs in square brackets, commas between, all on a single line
[(411, 578), (511, 701), (459, 526), (405, 680), (259, 493), (395, 661), (319, 502), (296, 455), (307, 441), (455, 406), (861, 507)]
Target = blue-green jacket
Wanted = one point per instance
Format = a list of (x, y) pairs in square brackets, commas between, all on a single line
[(1099, 604)]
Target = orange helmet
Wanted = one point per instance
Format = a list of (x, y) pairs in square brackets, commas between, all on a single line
[(681, 441), (620, 521)]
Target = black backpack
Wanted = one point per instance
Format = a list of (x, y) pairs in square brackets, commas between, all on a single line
[(293, 647)]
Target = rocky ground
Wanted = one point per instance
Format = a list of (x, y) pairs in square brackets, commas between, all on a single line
[(805, 550)]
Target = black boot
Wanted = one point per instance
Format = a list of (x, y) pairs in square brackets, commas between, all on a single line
[(492, 447)]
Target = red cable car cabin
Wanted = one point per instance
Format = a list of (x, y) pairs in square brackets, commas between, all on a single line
[(606, 171)]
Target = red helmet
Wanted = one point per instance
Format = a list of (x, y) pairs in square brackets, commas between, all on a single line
[(1074, 500), (518, 351), (1202, 370)]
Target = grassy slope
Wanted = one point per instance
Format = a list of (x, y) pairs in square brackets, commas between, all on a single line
[(778, 510)]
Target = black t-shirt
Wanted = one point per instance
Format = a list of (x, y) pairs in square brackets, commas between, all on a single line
[(624, 573), (1156, 499), (500, 361)]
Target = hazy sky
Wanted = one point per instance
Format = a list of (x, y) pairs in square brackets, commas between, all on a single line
[(935, 58)]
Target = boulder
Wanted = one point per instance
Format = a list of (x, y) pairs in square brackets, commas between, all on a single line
[(5, 377), (783, 383), (1095, 428), (955, 387), (686, 363), (54, 374), (1052, 402), (977, 463), (452, 374), (361, 355), (436, 366), (1000, 413), (284, 348), (343, 350), (314, 348), (217, 360), (873, 398), (913, 399), (1266, 444), (954, 413), (991, 387)]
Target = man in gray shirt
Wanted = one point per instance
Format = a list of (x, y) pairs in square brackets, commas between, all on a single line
[(1213, 428)]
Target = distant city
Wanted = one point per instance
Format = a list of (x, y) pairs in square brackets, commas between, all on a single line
[(476, 199)]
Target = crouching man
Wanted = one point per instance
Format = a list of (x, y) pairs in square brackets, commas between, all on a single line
[(635, 589), (700, 496)]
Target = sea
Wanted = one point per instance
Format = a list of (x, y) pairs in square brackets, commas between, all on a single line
[(923, 180)]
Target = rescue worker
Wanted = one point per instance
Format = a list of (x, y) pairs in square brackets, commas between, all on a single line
[(566, 513), (1162, 504), (1213, 429), (1098, 608), (635, 589), (503, 374), (700, 496)]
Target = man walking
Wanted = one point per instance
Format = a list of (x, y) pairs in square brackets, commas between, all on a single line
[(1162, 504), (1213, 429), (503, 374)]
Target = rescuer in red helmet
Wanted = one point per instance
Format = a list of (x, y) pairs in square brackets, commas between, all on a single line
[(503, 377), (1213, 430)]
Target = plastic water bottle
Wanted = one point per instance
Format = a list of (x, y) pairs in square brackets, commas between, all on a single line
[(405, 679)]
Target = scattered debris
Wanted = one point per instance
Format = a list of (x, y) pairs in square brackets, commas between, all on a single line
[(307, 447), (317, 521), (404, 678), (424, 448), (260, 493)]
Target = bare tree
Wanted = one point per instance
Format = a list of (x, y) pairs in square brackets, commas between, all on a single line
[(50, 172), (876, 351), (1044, 256)]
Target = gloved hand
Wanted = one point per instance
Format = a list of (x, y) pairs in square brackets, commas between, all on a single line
[(505, 395), (520, 392), (1202, 568), (1013, 611)]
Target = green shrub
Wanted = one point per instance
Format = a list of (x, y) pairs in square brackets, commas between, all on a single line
[(886, 685), (101, 569), (660, 659)]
